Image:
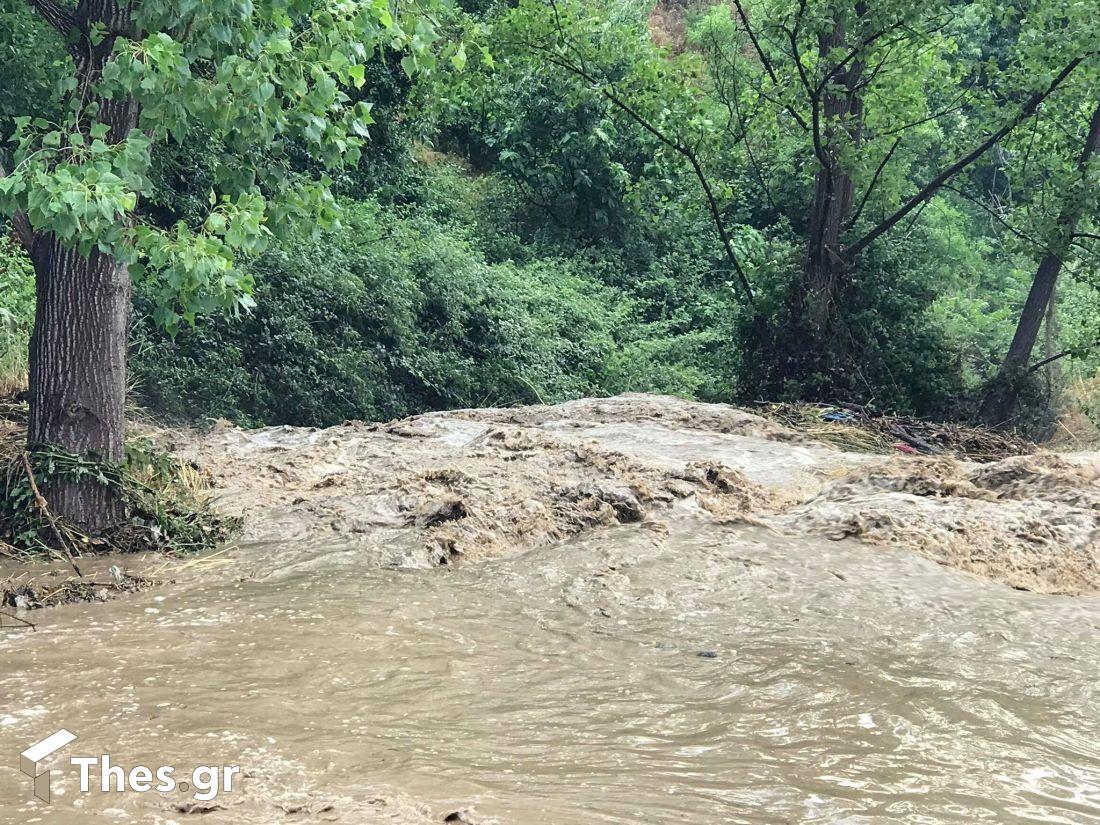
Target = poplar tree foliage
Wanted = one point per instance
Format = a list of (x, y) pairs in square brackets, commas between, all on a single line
[(263, 79)]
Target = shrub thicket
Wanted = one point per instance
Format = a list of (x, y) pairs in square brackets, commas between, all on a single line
[(402, 310)]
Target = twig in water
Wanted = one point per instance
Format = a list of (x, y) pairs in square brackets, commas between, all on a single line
[(41, 503), (23, 622)]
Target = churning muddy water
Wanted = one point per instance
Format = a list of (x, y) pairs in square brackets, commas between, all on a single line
[(666, 659)]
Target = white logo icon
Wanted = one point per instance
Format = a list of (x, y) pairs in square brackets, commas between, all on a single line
[(30, 760)]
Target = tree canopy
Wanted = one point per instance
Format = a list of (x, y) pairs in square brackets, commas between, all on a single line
[(891, 204), (272, 92)]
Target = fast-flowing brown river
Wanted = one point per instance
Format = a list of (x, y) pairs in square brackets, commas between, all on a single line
[(691, 671)]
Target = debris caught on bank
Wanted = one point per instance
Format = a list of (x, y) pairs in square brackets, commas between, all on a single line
[(168, 503), (1031, 522), (861, 429), (33, 592)]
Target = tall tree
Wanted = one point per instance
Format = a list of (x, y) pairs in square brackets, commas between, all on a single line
[(876, 109), (840, 61), (258, 77), (1001, 397), (837, 108)]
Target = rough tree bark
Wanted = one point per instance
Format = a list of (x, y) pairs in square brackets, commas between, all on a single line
[(78, 347), (996, 409), (78, 371), (838, 120)]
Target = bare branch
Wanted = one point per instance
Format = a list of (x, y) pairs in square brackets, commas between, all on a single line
[(923, 120), (855, 52), (997, 217), (812, 95), (755, 43), (874, 182), (1038, 365), (720, 55), (605, 88)]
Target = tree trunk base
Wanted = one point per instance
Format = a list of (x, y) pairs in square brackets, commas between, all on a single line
[(85, 503), (77, 389)]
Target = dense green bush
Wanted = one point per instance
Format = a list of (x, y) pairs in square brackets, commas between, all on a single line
[(16, 315), (400, 312), (924, 320), (511, 235), (443, 297)]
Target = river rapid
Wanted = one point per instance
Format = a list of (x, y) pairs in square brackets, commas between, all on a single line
[(637, 612)]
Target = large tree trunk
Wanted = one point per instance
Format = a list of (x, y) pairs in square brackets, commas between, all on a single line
[(78, 372), (1001, 397), (999, 401), (841, 116), (77, 383)]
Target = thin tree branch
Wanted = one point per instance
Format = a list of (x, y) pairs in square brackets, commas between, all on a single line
[(933, 186), (923, 120), (855, 52), (815, 108), (871, 186), (732, 102), (719, 55), (1038, 365), (608, 91), (993, 214), (22, 622), (789, 109), (755, 43)]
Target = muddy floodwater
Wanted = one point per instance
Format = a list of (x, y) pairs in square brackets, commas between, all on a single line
[(702, 648)]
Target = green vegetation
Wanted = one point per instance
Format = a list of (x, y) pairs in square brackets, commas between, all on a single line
[(167, 504), (16, 316), (389, 208), (268, 95), (413, 307)]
